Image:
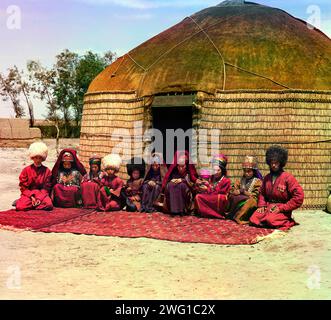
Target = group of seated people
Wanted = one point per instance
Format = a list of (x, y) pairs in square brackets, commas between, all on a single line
[(178, 190)]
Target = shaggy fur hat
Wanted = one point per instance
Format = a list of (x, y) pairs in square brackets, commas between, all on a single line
[(277, 153), (38, 149), (113, 161), (136, 164)]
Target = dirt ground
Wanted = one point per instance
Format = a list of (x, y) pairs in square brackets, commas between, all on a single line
[(66, 266)]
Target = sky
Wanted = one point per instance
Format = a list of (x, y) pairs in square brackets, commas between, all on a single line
[(47, 27)]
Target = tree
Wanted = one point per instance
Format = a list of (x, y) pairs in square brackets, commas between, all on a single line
[(43, 83), (65, 89), (25, 89), (64, 85), (10, 90), (88, 67)]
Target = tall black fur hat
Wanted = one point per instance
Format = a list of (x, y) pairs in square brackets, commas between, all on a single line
[(277, 153), (136, 163)]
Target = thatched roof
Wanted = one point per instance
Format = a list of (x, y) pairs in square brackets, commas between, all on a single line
[(259, 46)]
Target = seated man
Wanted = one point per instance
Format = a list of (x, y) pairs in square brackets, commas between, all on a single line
[(280, 194)]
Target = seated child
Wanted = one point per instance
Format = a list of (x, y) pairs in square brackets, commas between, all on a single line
[(91, 183), (111, 185), (133, 189), (244, 194), (202, 184), (35, 181), (151, 189)]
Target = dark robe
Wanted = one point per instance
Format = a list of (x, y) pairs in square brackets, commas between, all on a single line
[(179, 197), (151, 193)]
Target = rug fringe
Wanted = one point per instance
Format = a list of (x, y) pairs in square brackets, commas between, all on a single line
[(274, 235), (13, 229)]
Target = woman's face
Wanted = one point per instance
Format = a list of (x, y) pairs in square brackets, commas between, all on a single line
[(181, 168), (155, 167), (67, 165), (274, 166), (37, 160), (217, 171), (94, 168), (248, 173), (135, 174)]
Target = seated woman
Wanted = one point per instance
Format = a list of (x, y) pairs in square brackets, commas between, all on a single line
[(178, 184), (90, 185), (280, 194), (66, 176), (151, 189), (244, 194), (111, 185), (212, 200), (132, 190), (35, 181)]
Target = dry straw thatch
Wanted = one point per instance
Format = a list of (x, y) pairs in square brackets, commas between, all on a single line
[(255, 77)]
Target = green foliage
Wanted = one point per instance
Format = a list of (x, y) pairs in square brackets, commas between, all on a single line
[(11, 90), (64, 85), (50, 132)]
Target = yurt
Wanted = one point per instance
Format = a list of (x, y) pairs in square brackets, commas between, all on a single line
[(253, 74)]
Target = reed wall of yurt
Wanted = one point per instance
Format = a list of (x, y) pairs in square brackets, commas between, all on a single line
[(113, 120), (250, 122)]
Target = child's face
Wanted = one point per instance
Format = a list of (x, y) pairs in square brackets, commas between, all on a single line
[(248, 173), (94, 168), (135, 174), (67, 165), (155, 167), (110, 171), (37, 160)]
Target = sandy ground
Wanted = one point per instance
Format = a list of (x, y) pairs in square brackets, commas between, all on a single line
[(66, 266)]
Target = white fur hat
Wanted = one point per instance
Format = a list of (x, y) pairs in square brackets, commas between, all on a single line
[(38, 149), (112, 161)]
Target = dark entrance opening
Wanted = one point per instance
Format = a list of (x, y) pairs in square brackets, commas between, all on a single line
[(168, 117)]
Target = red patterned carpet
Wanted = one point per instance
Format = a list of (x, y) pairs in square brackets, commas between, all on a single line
[(134, 225), (32, 220)]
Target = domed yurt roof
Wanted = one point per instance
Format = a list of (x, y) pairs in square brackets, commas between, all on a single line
[(232, 46)]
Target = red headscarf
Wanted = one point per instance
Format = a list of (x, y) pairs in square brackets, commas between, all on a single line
[(189, 167), (77, 164)]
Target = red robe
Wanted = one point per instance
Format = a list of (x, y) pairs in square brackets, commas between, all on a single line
[(66, 196), (90, 187), (213, 203), (35, 181), (279, 199), (110, 202)]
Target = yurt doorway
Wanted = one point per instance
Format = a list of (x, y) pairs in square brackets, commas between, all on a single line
[(176, 118)]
